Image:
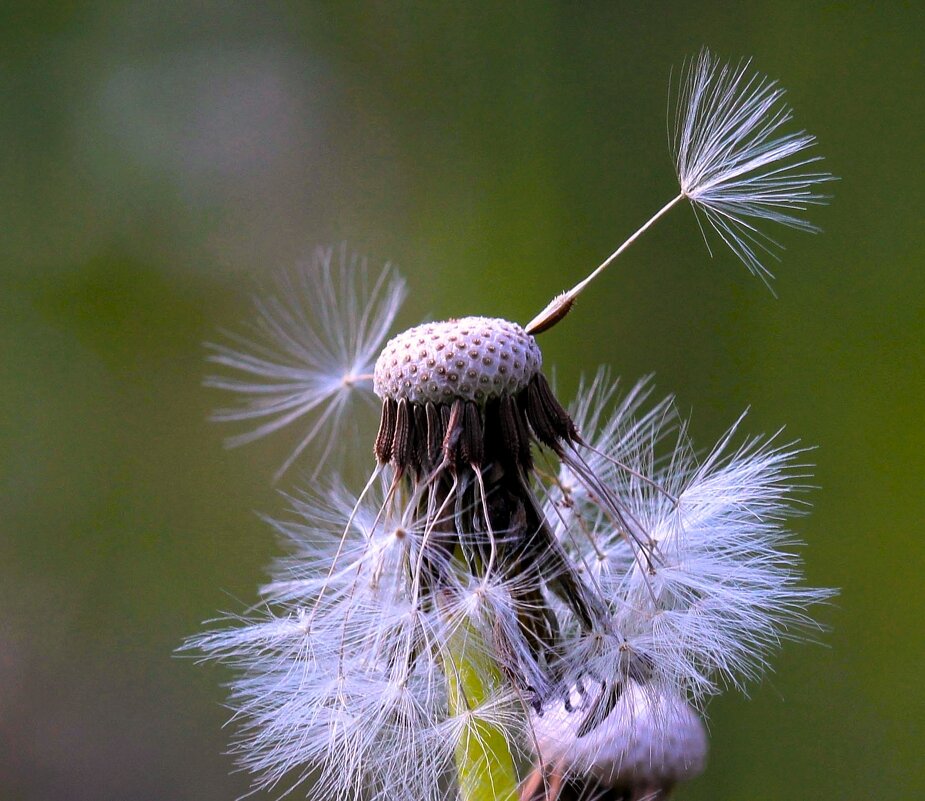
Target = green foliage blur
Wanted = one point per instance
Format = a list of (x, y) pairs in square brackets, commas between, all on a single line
[(159, 161)]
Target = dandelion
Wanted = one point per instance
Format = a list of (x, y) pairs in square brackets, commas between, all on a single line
[(516, 582)]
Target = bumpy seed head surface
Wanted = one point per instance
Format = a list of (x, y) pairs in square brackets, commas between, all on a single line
[(474, 358)]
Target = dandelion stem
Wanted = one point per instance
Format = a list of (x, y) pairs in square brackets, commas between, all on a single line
[(560, 305), (579, 287), (484, 763)]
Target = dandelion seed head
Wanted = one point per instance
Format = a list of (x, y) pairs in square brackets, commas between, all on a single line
[(473, 358), (649, 580)]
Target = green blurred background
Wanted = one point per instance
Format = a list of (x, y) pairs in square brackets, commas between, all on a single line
[(159, 160)]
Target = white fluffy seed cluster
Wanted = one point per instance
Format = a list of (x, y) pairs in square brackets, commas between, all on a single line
[(474, 358)]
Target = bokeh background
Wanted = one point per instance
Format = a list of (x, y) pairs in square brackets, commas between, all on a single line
[(158, 161)]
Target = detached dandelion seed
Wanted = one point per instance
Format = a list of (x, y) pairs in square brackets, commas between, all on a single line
[(733, 164), (310, 350), (515, 581)]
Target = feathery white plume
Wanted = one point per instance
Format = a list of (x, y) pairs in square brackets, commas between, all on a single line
[(310, 350), (735, 163), (342, 670), (716, 586)]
